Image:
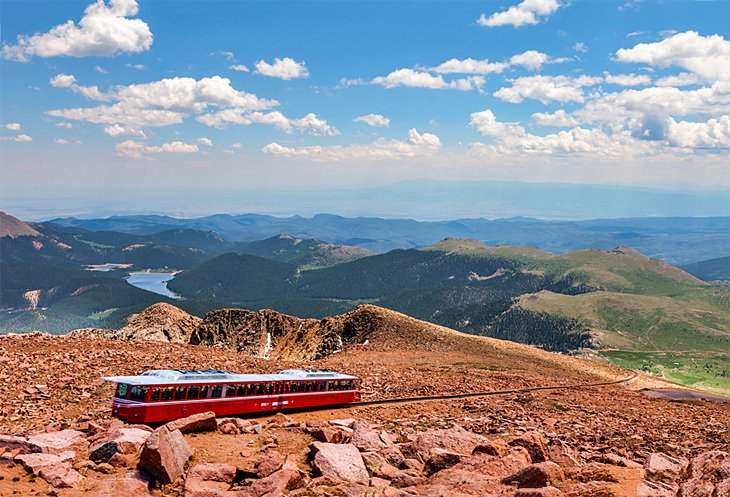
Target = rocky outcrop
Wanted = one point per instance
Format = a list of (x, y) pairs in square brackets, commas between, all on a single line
[(271, 335), (204, 421), (160, 322)]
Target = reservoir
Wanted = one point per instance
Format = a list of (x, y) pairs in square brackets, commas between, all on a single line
[(152, 282)]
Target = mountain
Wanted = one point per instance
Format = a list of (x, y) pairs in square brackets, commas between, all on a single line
[(709, 270), (305, 253), (208, 241), (673, 239), (12, 227)]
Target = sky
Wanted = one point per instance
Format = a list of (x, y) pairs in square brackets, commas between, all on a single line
[(111, 101)]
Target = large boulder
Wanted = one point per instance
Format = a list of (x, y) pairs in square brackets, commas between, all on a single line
[(57, 442), (209, 480), (656, 489), (204, 421), (164, 455), (128, 441), (542, 474), (287, 478), (339, 462), (454, 439), (365, 438), (535, 444), (37, 461), (660, 466), (713, 465), (697, 488), (18, 443), (132, 484)]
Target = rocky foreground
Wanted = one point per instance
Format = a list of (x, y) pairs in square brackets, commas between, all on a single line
[(342, 457)]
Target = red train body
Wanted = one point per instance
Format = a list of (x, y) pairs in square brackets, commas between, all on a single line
[(163, 395)]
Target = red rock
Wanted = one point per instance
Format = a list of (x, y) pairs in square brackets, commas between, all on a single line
[(12, 443), (377, 465), (203, 488), (132, 484), (37, 461), (129, 440), (61, 475), (538, 492), (343, 422), (282, 420), (339, 461), (270, 463), (537, 475), (697, 488), (327, 435), (402, 479), (713, 465), (656, 489), (62, 441), (212, 472), (287, 478), (660, 466), (204, 421), (365, 438), (617, 461), (535, 444), (412, 464), (440, 459), (491, 448), (164, 455), (454, 439), (234, 426), (723, 488)]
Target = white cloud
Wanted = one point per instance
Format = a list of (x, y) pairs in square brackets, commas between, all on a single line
[(205, 141), (546, 89), (706, 56), (13, 126), (103, 30), (117, 130), (557, 118), (22, 138), (69, 81), (138, 150), (159, 103), (139, 67), (532, 59), (470, 66), (677, 80), (228, 151), (527, 12), (580, 47), (713, 134), (310, 123), (417, 145), (375, 120), (420, 79), (627, 79), (62, 141), (65, 124), (100, 70), (285, 68), (237, 145), (239, 67)]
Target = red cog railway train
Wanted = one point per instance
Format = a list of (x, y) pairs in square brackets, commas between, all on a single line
[(163, 395)]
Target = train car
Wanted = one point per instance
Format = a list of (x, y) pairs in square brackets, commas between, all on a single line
[(163, 395)]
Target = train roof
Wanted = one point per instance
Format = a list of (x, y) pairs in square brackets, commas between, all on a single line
[(193, 376)]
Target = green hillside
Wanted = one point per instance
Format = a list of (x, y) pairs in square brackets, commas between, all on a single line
[(305, 253)]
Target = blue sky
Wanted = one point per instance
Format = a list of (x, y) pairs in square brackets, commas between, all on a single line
[(302, 95)]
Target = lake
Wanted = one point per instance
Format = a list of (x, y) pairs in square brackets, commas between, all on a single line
[(152, 282)]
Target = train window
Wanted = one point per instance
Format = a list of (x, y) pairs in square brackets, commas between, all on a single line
[(330, 385), (204, 391), (122, 390), (180, 393), (138, 393), (231, 391), (241, 390), (315, 386), (276, 387), (155, 395), (269, 388), (251, 389), (260, 388), (322, 386), (217, 391), (193, 392), (166, 393), (308, 386)]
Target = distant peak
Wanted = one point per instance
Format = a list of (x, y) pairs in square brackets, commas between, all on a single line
[(13, 227)]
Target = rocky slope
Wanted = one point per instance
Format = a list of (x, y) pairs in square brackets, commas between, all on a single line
[(13, 227)]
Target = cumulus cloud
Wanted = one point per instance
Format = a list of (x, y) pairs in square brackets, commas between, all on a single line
[(62, 141), (159, 103), (239, 67), (375, 120), (580, 47), (19, 138), (677, 80), (138, 150), (310, 123), (706, 56), (103, 30), (421, 79), (285, 68), (69, 81), (627, 79), (525, 13), (117, 130), (546, 89), (13, 126), (205, 141), (557, 118), (416, 145), (532, 59), (469, 66), (713, 134)]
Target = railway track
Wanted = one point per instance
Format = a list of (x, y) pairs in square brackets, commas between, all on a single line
[(485, 394)]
